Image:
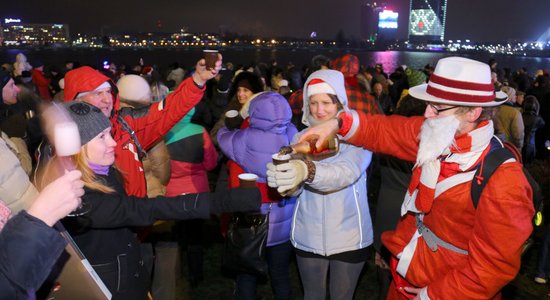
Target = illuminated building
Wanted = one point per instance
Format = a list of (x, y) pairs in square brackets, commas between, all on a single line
[(387, 25), (15, 32), (369, 20), (427, 21)]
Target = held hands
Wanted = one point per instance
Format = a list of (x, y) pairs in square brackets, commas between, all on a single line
[(58, 198), (323, 130), (286, 176), (202, 74)]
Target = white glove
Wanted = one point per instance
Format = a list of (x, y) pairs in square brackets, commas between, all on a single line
[(287, 176)]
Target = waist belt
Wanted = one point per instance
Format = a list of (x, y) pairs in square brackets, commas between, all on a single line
[(433, 241)]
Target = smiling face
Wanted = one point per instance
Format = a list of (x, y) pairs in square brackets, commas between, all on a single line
[(322, 107), (101, 149), (243, 94), (100, 98)]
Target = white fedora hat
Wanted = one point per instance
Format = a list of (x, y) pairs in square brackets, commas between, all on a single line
[(460, 81)]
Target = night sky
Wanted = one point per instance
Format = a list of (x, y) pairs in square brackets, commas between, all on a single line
[(478, 20)]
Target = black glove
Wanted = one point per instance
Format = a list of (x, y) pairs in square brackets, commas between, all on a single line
[(237, 199)]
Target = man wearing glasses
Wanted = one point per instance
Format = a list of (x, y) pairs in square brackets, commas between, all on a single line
[(443, 247)]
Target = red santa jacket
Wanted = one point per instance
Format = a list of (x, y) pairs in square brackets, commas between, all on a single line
[(148, 124), (493, 234)]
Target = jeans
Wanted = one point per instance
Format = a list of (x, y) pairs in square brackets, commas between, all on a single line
[(278, 264)]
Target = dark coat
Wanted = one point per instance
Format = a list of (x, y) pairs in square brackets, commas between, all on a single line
[(28, 251), (106, 235)]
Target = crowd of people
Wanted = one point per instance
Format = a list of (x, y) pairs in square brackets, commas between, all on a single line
[(156, 145)]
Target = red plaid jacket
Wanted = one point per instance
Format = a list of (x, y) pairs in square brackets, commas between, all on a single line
[(358, 98), (296, 101)]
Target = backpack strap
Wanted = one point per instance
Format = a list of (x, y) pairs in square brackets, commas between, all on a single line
[(486, 169)]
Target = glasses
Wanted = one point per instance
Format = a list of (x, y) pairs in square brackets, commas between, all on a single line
[(439, 110)]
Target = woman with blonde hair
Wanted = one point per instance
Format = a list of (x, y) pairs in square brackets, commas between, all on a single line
[(104, 231)]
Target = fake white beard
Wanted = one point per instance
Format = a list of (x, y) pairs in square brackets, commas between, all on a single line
[(436, 136)]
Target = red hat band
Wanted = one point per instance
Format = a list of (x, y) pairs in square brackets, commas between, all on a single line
[(456, 90)]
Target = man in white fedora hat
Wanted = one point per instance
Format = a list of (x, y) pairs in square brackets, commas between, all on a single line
[(444, 247)]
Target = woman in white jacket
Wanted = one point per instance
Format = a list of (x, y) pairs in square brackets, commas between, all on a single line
[(331, 227)]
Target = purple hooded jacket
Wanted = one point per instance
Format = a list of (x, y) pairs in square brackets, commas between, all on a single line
[(252, 147)]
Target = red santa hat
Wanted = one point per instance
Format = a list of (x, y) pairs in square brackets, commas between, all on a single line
[(318, 86)]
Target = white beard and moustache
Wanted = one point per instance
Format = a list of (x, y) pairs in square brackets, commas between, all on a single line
[(436, 136)]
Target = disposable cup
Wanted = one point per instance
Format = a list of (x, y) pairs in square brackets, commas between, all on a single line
[(210, 58), (247, 180), (233, 119), (279, 159)]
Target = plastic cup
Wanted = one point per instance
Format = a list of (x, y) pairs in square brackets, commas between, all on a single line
[(247, 180), (66, 139), (210, 58), (233, 119), (279, 159)]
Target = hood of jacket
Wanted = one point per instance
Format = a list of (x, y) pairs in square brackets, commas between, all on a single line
[(270, 128), (268, 112), (85, 79), (333, 78), (348, 64)]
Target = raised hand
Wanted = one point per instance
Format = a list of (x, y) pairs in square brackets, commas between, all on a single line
[(202, 74)]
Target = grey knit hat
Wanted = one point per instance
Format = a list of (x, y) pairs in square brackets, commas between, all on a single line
[(89, 119)]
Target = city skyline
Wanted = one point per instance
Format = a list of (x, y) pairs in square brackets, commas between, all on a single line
[(490, 20)]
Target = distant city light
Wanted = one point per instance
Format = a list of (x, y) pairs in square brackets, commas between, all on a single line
[(313, 34), (10, 20)]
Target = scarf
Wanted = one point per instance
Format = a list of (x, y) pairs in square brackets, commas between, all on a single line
[(98, 169), (465, 152)]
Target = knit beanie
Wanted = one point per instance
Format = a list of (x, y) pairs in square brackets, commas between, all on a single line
[(134, 88), (4, 78), (415, 77), (88, 118), (318, 86)]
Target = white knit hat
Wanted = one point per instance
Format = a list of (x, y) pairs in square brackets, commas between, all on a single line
[(134, 88)]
